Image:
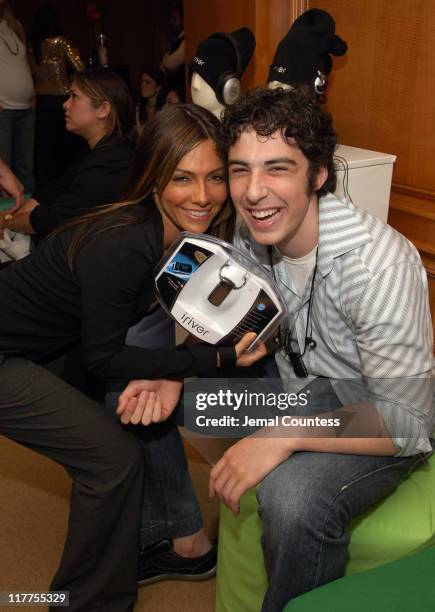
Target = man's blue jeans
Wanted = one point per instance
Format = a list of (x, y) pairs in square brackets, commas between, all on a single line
[(17, 142), (307, 503)]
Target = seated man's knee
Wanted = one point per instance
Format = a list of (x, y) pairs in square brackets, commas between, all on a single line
[(290, 499)]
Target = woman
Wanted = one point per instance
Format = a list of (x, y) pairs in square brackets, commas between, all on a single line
[(99, 109), (172, 97), (51, 57), (87, 285), (152, 96), (17, 119)]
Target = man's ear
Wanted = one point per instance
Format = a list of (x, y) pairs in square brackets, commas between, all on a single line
[(321, 178), (104, 110)]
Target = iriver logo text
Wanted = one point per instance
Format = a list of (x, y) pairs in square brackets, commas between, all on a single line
[(190, 322)]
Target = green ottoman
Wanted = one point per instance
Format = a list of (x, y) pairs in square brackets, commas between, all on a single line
[(401, 524), (401, 586)]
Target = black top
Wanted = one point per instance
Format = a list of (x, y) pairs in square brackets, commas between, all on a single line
[(45, 308), (176, 79), (98, 178)]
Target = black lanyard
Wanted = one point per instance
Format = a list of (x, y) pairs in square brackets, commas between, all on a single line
[(284, 338)]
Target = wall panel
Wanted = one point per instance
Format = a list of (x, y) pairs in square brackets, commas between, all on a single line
[(381, 96), (269, 20)]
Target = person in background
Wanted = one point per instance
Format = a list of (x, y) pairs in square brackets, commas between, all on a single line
[(10, 186), (173, 61), (51, 57), (17, 119), (152, 96), (100, 110), (172, 97)]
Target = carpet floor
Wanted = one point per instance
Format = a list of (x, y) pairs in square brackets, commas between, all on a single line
[(33, 516)]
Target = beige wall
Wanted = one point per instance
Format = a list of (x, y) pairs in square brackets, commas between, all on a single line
[(382, 98)]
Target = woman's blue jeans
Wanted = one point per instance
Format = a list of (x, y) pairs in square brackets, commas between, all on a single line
[(17, 143), (170, 508)]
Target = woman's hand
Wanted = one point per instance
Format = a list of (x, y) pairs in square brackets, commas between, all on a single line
[(247, 358), (148, 401), (11, 186)]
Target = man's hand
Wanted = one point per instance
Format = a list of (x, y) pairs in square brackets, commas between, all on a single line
[(244, 465), (247, 358), (11, 186), (148, 401)]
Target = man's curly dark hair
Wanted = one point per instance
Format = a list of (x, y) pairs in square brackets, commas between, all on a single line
[(296, 115)]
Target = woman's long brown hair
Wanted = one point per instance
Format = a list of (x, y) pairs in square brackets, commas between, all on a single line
[(165, 140)]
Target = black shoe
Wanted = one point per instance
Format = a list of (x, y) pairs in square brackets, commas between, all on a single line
[(160, 562)]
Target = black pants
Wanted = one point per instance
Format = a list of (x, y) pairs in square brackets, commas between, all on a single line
[(99, 561)]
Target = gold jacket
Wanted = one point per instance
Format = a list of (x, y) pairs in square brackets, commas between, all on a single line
[(51, 75)]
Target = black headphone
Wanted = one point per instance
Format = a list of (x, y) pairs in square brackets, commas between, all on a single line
[(229, 87)]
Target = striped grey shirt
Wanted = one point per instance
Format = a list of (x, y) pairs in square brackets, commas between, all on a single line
[(370, 319)]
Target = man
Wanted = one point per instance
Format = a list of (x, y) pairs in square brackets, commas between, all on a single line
[(358, 303), (358, 312)]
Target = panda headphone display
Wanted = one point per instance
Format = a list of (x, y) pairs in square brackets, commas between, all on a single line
[(221, 59), (229, 87), (303, 56)]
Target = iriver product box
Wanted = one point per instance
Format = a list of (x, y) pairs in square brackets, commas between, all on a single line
[(216, 292)]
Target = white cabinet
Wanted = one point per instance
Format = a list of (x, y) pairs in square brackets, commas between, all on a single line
[(368, 178)]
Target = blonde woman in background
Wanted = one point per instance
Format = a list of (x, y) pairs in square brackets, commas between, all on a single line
[(16, 93)]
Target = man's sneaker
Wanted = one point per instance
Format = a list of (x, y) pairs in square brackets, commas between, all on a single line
[(160, 562)]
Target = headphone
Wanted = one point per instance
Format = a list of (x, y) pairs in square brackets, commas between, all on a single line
[(320, 83), (229, 87)]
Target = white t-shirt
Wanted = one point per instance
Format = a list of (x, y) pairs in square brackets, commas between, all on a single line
[(16, 84), (299, 270)]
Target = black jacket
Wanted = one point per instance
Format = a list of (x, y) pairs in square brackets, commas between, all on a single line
[(45, 308), (98, 178)]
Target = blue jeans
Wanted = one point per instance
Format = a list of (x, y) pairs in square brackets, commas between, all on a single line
[(307, 503), (17, 140), (170, 507)]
